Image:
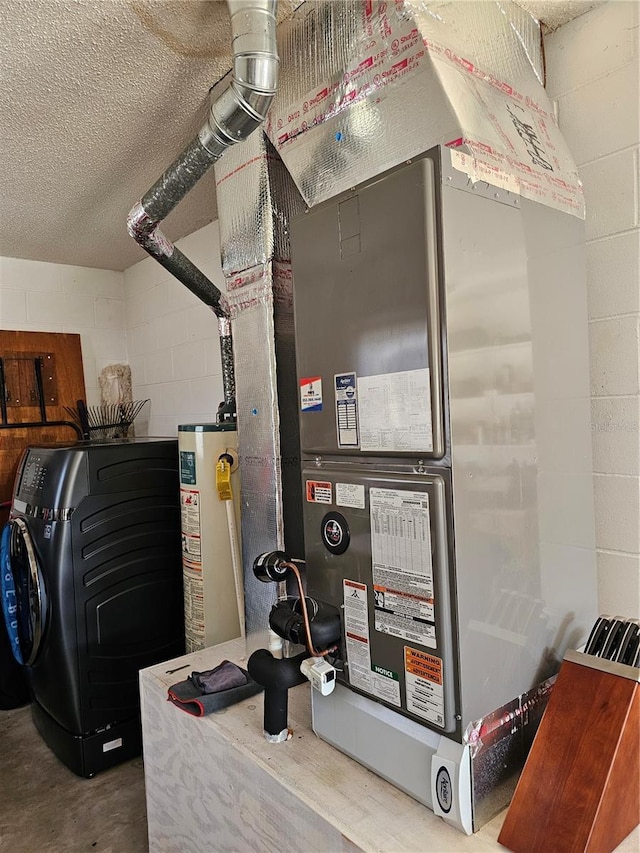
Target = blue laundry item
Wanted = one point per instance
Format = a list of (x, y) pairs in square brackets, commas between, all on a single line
[(9, 597), (13, 684)]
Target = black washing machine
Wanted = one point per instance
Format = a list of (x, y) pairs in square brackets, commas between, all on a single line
[(92, 588)]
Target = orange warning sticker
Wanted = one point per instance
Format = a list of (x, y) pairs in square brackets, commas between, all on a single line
[(319, 492), (423, 665), (407, 595)]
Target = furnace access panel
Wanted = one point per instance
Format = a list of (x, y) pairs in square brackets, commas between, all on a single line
[(368, 325), (378, 549), (376, 479)]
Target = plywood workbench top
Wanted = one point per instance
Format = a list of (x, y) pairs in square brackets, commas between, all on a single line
[(214, 783)]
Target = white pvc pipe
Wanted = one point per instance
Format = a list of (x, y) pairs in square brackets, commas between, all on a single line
[(236, 561)]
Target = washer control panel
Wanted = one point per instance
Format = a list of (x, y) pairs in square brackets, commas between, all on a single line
[(34, 475)]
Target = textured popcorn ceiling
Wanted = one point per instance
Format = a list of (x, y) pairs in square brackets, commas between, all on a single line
[(554, 13), (96, 98)]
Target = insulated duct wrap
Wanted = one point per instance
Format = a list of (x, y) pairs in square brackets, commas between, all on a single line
[(286, 200), (177, 180), (367, 85), (226, 359), (244, 206), (255, 198), (251, 301)]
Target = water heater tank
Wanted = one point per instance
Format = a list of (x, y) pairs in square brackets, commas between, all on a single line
[(210, 600)]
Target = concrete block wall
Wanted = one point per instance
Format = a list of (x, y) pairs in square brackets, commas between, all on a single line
[(173, 339), (170, 338), (43, 297), (593, 76)]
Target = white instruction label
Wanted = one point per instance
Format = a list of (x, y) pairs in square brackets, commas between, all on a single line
[(402, 566), (356, 629), (190, 511), (112, 744), (193, 585), (395, 411), (191, 548), (385, 684), (423, 680), (192, 569), (350, 494), (346, 409)]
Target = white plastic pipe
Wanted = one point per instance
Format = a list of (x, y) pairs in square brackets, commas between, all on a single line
[(236, 561)]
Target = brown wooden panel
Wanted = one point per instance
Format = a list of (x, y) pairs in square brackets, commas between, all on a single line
[(620, 807), (580, 789), (20, 379), (66, 387)]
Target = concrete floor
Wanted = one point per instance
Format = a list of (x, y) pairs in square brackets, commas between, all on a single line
[(45, 808)]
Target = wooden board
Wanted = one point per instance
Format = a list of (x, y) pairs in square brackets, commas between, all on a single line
[(214, 783), (63, 385)]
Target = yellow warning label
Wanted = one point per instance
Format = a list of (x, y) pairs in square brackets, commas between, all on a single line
[(423, 665)]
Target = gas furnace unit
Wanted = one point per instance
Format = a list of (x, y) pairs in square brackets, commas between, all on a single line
[(441, 335)]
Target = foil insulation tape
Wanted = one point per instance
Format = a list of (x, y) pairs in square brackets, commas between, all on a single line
[(248, 289), (498, 746), (367, 85), (251, 300)]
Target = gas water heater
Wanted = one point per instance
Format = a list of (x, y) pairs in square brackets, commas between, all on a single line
[(211, 556), (442, 356)]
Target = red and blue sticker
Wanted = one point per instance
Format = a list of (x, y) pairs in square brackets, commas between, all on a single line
[(311, 394)]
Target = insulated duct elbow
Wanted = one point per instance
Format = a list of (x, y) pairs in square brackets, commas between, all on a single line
[(239, 110)]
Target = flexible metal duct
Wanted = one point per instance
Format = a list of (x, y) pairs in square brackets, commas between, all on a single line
[(239, 110)]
